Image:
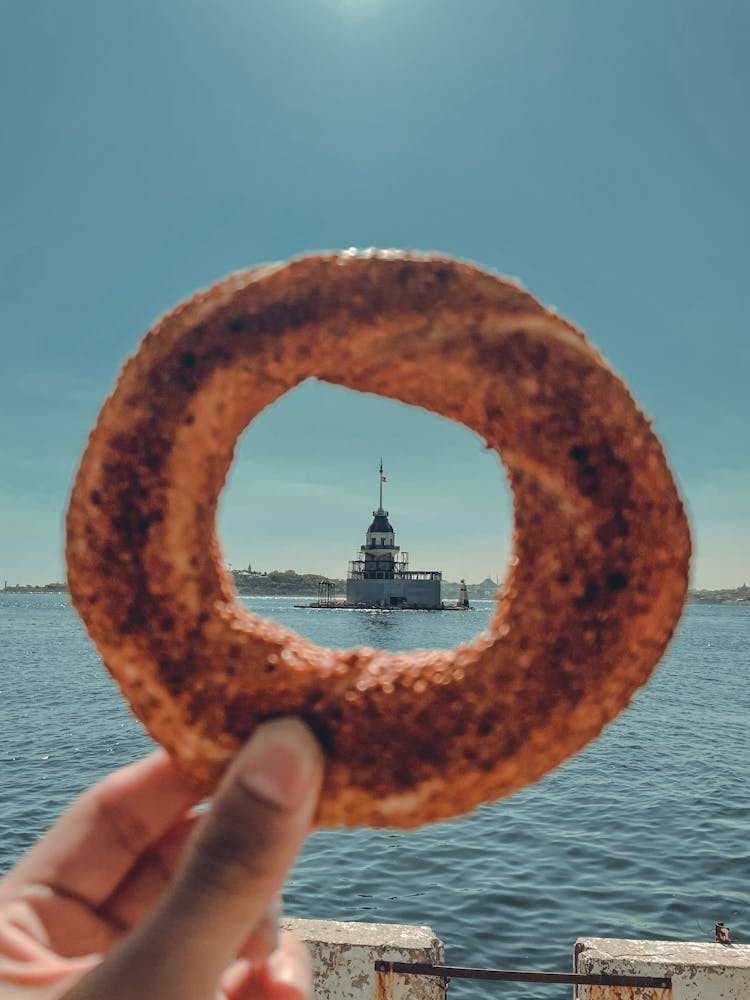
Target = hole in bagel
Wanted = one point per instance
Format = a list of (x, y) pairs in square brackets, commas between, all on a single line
[(300, 499)]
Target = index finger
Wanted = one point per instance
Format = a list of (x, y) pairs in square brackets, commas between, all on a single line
[(93, 846)]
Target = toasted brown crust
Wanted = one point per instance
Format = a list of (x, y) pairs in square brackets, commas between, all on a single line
[(601, 545)]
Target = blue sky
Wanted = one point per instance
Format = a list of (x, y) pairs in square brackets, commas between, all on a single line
[(598, 151)]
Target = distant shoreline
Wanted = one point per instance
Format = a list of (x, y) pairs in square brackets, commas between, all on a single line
[(291, 584)]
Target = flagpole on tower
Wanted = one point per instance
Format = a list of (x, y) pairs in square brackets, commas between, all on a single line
[(381, 484)]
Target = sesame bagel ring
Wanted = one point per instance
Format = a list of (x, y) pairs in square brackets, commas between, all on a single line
[(601, 544)]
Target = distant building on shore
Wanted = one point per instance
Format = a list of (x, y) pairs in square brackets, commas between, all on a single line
[(379, 577)]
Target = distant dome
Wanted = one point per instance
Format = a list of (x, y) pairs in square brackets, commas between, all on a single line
[(380, 523)]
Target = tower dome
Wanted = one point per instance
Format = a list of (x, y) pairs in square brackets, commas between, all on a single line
[(380, 522)]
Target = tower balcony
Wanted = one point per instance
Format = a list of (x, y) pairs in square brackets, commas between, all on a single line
[(360, 569)]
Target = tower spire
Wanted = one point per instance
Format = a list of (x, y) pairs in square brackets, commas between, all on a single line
[(381, 484)]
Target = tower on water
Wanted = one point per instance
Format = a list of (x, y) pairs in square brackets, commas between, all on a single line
[(380, 576)]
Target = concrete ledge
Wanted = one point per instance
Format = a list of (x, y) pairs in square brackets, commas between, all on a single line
[(698, 971), (344, 956)]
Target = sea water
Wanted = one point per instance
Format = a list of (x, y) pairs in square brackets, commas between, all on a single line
[(645, 833)]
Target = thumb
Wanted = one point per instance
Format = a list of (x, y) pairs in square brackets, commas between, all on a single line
[(242, 851), (237, 860)]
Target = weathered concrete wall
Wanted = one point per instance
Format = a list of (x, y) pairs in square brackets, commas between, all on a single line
[(698, 971), (344, 956)]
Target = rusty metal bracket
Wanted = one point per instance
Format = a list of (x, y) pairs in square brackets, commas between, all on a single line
[(520, 976)]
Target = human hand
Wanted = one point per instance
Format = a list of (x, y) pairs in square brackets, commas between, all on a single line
[(133, 895)]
